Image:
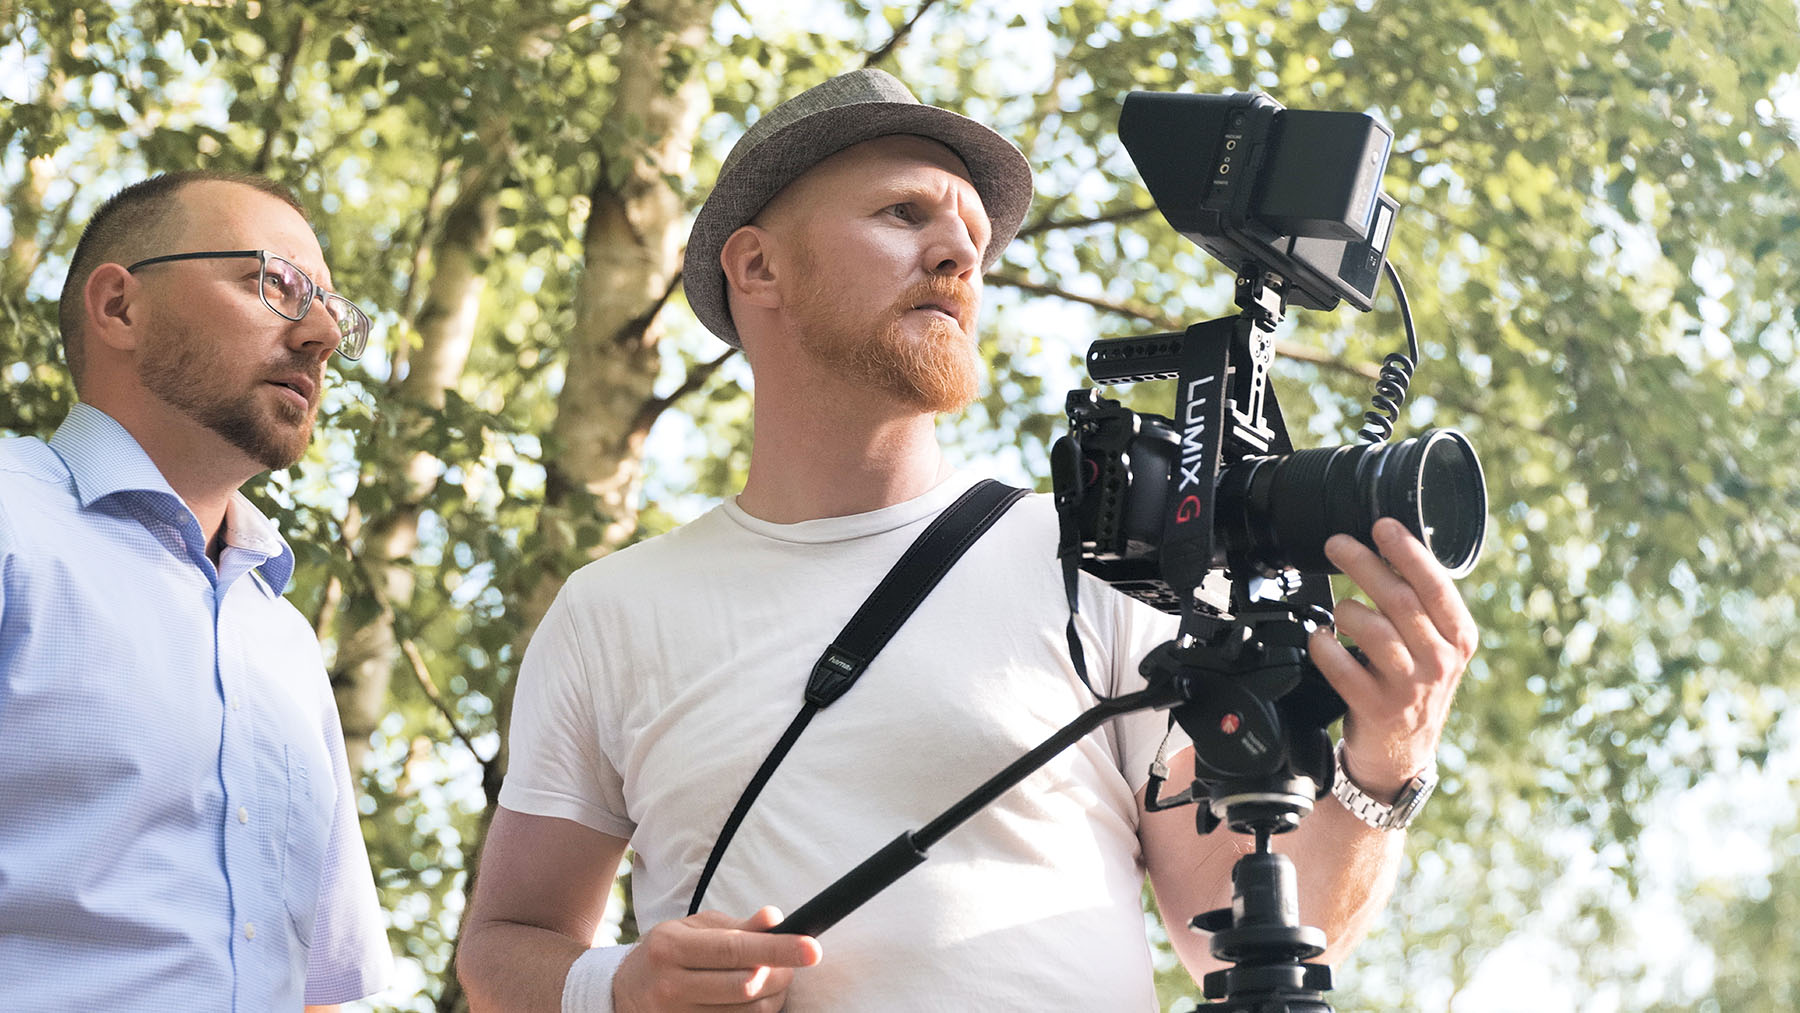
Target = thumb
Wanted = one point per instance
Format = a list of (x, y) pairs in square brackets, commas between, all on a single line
[(810, 952)]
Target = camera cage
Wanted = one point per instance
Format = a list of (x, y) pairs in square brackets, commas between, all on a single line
[(1253, 184)]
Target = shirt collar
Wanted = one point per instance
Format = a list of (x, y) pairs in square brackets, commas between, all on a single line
[(246, 528), (104, 460)]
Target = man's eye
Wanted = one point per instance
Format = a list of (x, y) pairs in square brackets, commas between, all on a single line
[(904, 212), (281, 281)]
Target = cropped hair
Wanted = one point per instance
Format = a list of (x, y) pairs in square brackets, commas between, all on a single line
[(124, 230)]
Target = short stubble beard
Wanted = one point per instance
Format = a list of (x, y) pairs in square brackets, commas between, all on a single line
[(179, 367)]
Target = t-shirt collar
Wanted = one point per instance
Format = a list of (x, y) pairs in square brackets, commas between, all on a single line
[(874, 522)]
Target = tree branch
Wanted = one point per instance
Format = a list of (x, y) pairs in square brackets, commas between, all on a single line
[(329, 600), (1038, 228), (58, 224), (696, 378), (408, 647), (1132, 310), (641, 323), (421, 255), (348, 530), (1286, 349), (900, 34), (1367, 371), (284, 77)]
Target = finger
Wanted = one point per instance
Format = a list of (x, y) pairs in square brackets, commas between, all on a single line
[(1340, 668), (1430, 583), (1396, 722), (1390, 589), (736, 988), (743, 945), (1393, 686), (1378, 579), (1409, 662), (766, 917), (1383, 645), (769, 916)]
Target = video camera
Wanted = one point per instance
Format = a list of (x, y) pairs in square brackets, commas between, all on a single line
[(1291, 200)]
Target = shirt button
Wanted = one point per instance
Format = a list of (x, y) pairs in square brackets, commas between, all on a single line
[(243, 815), (249, 930)]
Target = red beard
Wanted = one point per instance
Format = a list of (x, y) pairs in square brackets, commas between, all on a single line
[(935, 371)]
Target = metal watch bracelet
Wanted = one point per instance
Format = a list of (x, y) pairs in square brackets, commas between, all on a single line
[(1394, 815)]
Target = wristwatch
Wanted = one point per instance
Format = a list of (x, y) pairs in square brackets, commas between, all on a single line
[(1394, 815)]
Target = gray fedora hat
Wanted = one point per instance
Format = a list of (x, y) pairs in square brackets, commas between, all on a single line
[(816, 124)]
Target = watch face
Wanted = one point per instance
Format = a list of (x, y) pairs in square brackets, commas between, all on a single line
[(1411, 800)]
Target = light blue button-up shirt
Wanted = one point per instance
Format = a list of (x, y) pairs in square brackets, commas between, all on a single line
[(177, 823)]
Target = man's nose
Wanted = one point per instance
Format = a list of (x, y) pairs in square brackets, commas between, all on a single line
[(317, 332), (953, 251)]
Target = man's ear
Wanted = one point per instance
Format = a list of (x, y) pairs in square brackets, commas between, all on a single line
[(749, 267), (113, 310)]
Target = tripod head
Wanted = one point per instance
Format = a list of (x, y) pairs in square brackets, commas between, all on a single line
[(1256, 711)]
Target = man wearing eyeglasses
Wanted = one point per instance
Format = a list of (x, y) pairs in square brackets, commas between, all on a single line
[(178, 827)]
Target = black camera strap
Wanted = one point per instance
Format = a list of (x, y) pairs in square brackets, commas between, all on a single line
[(924, 563)]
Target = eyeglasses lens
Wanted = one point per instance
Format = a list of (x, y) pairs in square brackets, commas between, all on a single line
[(286, 288), (289, 292), (352, 323)]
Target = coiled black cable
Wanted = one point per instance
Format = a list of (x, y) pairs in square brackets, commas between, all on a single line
[(1396, 373), (1390, 394)]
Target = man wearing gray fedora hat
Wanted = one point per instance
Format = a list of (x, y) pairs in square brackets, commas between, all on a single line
[(842, 248)]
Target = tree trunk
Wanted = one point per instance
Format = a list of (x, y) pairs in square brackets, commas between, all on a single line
[(632, 262), (446, 328)]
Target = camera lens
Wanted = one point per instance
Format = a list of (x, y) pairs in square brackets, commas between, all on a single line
[(1274, 513)]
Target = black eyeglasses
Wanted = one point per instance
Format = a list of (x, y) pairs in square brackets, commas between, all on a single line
[(289, 292)]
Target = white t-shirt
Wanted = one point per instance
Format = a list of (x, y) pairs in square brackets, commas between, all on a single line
[(663, 674)]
